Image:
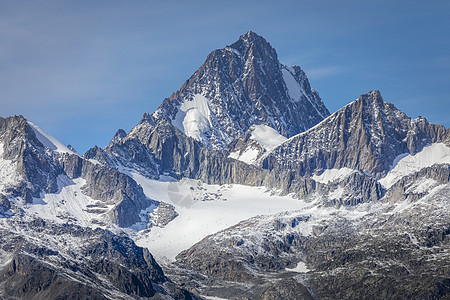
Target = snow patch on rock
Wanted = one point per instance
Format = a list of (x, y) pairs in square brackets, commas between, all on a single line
[(194, 117), (300, 268), (266, 137), (69, 204), (8, 172), (437, 153)]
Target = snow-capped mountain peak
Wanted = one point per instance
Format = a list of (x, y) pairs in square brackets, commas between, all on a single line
[(238, 86)]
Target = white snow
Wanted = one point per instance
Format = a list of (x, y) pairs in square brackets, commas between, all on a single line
[(422, 185), (194, 117), (213, 298), (436, 153), (300, 268), (249, 156), (294, 89), (49, 141), (69, 203), (337, 193), (233, 50), (204, 210), (330, 175), (8, 172), (267, 137)]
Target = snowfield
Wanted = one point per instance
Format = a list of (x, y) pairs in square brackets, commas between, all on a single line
[(204, 210), (194, 117)]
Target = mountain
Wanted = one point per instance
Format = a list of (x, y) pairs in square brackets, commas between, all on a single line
[(238, 86), (55, 208), (35, 164), (240, 186), (368, 134)]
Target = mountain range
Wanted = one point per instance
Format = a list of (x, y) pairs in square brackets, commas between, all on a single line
[(241, 185)]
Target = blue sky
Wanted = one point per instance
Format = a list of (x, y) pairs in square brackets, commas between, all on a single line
[(83, 69)]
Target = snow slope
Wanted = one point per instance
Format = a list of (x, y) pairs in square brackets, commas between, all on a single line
[(69, 204), (204, 210), (8, 172), (294, 89), (267, 137), (436, 153), (49, 141)]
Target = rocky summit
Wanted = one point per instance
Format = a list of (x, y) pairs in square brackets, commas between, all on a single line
[(239, 86), (241, 185)]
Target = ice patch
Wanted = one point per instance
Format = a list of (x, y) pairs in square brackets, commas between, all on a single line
[(300, 268), (330, 175), (194, 117), (437, 153)]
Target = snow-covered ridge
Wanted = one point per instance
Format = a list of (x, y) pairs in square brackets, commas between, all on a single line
[(48, 141), (437, 153)]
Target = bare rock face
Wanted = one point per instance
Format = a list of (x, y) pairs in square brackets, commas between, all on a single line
[(238, 86), (287, 289), (33, 164), (351, 190), (367, 135), (96, 265)]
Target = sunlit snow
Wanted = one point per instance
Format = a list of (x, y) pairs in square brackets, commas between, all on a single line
[(265, 136), (436, 153), (49, 141), (203, 210), (194, 117)]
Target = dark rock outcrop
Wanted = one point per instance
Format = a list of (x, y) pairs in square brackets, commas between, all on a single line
[(96, 265)]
